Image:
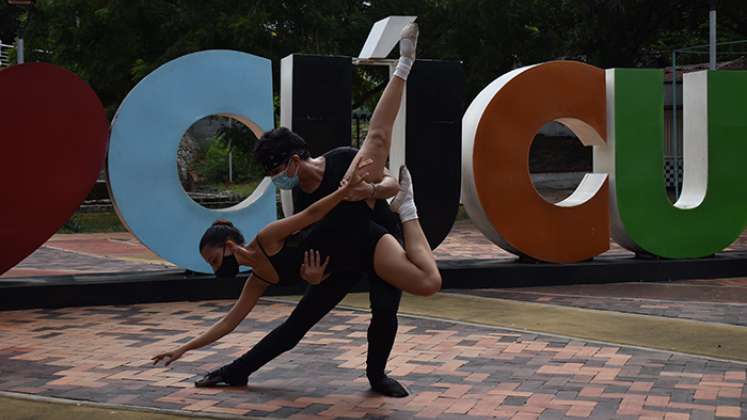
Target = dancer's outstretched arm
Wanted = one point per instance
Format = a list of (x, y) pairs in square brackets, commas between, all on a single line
[(279, 230), (251, 292), (379, 138)]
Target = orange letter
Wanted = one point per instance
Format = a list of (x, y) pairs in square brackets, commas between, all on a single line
[(497, 133)]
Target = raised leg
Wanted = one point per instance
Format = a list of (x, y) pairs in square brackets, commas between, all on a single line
[(412, 269), (379, 138)]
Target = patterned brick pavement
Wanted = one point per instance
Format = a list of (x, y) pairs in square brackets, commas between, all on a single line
[(51, 261), (67, 254), (465, 241), (723, 313), (455, 371)]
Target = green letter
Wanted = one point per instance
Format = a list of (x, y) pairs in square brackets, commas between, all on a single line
[(712, 209)]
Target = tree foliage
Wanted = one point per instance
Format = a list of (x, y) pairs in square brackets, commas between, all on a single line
[(9, 20), (114, 43)]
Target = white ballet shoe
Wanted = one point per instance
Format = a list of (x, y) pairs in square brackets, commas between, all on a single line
[(408, 42), (404, 202)]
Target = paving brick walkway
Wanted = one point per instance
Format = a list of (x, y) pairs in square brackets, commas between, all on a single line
[(67, 254), (48, 261), (721, 300), (454, 370)]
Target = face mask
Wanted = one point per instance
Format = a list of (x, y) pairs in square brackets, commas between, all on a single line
[(285, 182), (229, 268)]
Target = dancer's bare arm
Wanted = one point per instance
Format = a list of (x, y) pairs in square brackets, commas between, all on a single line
[(387, 188), (281, 229), (252, 291)]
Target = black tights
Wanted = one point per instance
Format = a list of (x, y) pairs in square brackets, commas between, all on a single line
[(320, 299), (315, 304)]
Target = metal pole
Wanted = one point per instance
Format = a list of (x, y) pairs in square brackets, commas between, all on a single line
[(357, 131), (230, 163), (20, 46), (713, 35), (675, 124), (230, 167), (19, 50), (230, 154), (20, 59)]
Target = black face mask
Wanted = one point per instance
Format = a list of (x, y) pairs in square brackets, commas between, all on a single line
[(229, 267)]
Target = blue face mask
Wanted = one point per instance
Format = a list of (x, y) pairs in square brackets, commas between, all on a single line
[(284, 181)]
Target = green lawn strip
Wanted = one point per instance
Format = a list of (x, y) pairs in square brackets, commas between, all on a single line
[(93, 222), (108, 221), (28, 407), (720, 341), (244, 189)]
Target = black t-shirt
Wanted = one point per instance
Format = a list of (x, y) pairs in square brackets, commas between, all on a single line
[(337, 162)]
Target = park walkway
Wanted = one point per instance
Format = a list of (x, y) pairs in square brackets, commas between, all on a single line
[(461, 357), (623, 350)]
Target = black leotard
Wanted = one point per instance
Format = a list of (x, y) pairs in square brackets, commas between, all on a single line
[(287, 261), (347, 234)]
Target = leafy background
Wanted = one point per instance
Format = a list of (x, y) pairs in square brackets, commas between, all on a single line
[(113, 44)]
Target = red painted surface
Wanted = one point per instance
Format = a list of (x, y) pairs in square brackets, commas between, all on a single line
[(53, 143)]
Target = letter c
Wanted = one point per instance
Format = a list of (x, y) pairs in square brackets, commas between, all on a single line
[(146, 132), (497, 132)]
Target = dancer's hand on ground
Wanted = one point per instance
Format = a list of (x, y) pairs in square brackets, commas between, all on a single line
[(311, 269), (360, 173), (168, 357)]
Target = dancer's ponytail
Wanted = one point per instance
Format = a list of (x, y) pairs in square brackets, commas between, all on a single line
[(218, 233)]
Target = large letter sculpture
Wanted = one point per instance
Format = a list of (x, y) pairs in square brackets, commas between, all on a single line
[(435, 104), (146, 132), (712, 210), (498, 130), (315, 98), (53, 147), (316, 94)]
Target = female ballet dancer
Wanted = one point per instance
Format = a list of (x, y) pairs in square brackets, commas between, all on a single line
[(346, 237), (276, 253)]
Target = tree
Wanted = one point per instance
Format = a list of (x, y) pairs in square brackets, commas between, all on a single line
[(9, 22), (114, 43)]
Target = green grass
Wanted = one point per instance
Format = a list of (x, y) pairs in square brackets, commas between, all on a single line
[(244, 189), (102, 222), (93, 223)]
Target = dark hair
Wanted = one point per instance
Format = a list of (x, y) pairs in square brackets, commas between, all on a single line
[(276, 146), (219, 232)]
